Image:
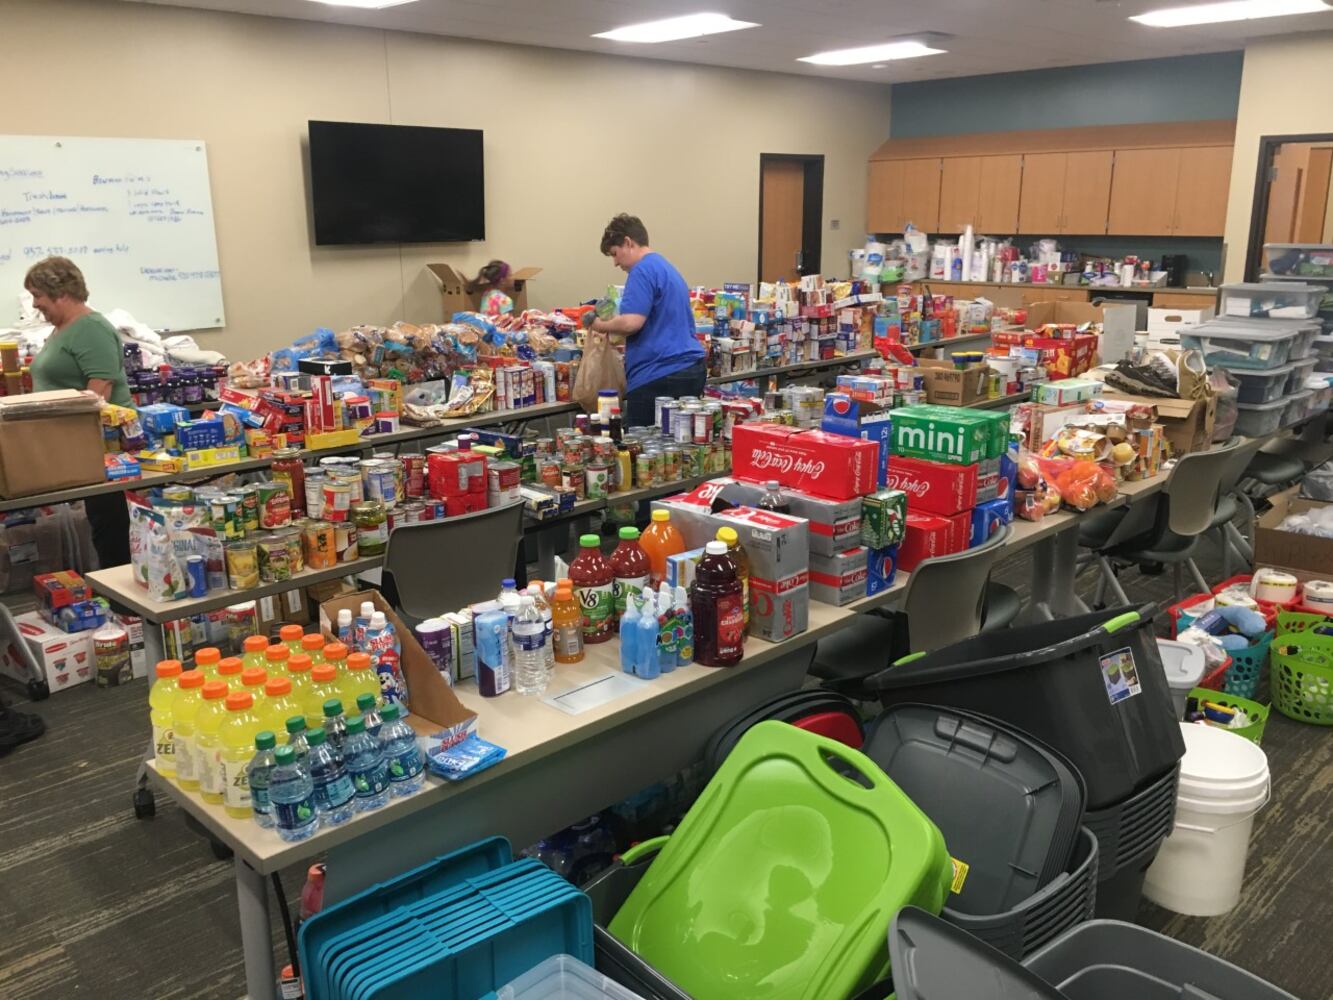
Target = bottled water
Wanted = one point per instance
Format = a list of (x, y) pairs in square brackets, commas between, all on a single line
[(365, 704), (334, 792), (399, 742), (544, 606), (531, 674), (291, 791), (261, 770), (365, 764), (334, 724), (296, 737)]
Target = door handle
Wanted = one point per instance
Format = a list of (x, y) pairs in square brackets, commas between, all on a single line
[(800, 260)]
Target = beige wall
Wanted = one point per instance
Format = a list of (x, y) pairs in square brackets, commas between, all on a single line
[(571, 139), (1273, 101)]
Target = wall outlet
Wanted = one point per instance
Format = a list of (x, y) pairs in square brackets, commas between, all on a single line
[(835, 223)]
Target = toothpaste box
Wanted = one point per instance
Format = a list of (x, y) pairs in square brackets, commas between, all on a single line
[(839, 579), (881, 568)]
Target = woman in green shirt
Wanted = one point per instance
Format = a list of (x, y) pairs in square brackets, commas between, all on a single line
[(83, 352)]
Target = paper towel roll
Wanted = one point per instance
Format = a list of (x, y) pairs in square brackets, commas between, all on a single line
[(965, 244), (1273, 586), (1318, 595), (1234, 597)]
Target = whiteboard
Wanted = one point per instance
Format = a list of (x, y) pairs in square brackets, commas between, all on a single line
[(135, 215)]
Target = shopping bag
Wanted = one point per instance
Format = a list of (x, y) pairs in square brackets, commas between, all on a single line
[(601, 368)]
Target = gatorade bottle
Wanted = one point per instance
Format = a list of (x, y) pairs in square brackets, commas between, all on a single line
[(276, 658), (742, 562), (252, 651), (567, 626), (159, 705), (238, 746), (660, 541), (291, 636), (184, 707), (594, 581), (360, 679), (631, 567), (207, 726), (719, 626), (229, 671), (206, 659), (298, 672), (279, 703), (312, 645), (253, 680), (324, 685), (336, 654)]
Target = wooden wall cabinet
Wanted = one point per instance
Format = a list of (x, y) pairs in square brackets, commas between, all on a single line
[(1065, 193), (1170, 192), (981, 190), (1202, 191), (903, 191)]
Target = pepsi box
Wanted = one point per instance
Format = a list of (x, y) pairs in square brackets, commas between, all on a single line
[(989, 517), (860, 419), (881, 568)]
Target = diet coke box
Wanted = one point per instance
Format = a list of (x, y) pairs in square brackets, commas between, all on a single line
[(839, 579), (935, 487), (835, 525), (827, 465), (927, 536), (778, 547)]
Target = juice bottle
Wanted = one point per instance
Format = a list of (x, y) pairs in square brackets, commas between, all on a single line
[(323, 686), (661, 540), (207, 724), (719, 624), (229, 671), (280, 704), (742, 562), (359, 679), (276, 658), (594, 581), (298, 672), (567, 626), (253, 680), (159, 706), (252, 650), (312, 645), (237, 739), (184, 708), (206, 660), (336, 653), (631, 567), (291, 636)]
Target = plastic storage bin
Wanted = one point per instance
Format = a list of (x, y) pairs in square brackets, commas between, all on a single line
[(1261, 419), (1262, 386), (1129, 834), (1298, 407), (1300, 371), (1302, 681), (1303, 260), (1271, 300), (1184, 665), (563, 977), (1231, 344)]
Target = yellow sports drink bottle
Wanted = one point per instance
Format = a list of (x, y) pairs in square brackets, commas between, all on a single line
[(336, 654), (312, 645), (279, 704), (324, 685), (238, 746), (360, 679), (252, 651), (298, 672), (276, 658), (207, 727), (253, 680), (229, 672), (291, 636), (184, 708), (206, 659), (159, 713)]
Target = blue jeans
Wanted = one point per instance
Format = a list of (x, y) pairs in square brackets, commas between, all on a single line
[(688, 381)]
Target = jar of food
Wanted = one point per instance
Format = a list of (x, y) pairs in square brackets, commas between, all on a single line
[(372, 527), (287, 467), (242, 564)]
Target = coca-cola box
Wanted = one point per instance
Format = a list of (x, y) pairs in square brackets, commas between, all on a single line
[(827, 465), (839, 579), (935, 487), (927, 536)]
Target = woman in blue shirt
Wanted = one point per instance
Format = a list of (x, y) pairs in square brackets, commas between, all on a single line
[(662, 355)]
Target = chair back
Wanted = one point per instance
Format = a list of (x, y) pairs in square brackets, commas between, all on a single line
[(445, 565), (946, 595), (1244, 452), (1195, 485)]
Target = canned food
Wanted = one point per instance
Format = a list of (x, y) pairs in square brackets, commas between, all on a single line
[(240, 621), (380, 482), (249, 506), (111, 651), (544, 447), (224, 513), (571, 451), (573, 479), (291, 537), (409, 513), (242, 565), (318, 545), (314, 493), (682, 431), (344, 540), (658, 460), (703, 426), (603, 450), (548, 473), (275, 505), (598, 476), (672, 464), (643, 469), (337, 500), (414, 475), (274, 565), (178, 639), (351, 475), (399, 477), (177, 494), (372, 527), (432, 510)]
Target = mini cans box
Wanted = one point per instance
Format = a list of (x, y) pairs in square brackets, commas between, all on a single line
[(835, 525), (65, 658), (813, 461), (988, 518), (881, 568), (948, 434), (838, 579), (883, 518), (934, 487), (859, 418), (926, 536)]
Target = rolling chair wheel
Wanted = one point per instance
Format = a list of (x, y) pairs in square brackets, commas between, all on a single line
[(144, 805), (39, 690)]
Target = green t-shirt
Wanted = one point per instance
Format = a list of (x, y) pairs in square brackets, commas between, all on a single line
[(86, 349)]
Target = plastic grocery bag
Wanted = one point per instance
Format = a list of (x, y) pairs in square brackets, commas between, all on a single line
[(601, 368)]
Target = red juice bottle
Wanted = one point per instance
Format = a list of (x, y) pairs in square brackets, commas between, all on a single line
[(632, 570), (715, 603), (594, 582)]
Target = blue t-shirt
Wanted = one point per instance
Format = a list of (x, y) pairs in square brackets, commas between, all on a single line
[(665, 343)]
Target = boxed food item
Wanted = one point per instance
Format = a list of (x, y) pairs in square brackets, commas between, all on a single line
[(1066, 391), (65, 658), (813, 461), (839, 579), (681, 566)]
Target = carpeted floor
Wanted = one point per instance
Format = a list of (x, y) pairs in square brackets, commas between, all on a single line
[(96, 903)]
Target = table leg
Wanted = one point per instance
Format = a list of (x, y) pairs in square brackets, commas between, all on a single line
[(1054, 567), (261, 977), (547, 540)]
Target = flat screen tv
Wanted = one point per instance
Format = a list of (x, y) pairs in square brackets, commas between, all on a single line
[(396, 184)]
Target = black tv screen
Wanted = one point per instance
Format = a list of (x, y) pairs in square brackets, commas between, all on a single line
[(396, 184)]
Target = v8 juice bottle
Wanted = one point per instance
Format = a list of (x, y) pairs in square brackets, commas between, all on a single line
[(659, 541), (594, 581), (207, 729), (238, 747), (184, 708), (159, 705), (632, 570), (719, 623)]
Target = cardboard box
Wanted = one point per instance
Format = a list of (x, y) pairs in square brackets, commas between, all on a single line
[(927, 535), (1307, 557), (949, 434), (431, 701), (1187, 423), (1164, 325), (871, 421), (835, 525), (839, 579), (827, 465), (935, 487), (883, 518), (454, 296), (949, 385), (43, 453), (881, 568), (988, 518), (1066, 391), (65, 658)]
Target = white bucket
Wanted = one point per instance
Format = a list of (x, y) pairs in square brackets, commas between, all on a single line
[(1184, 665), (1223, 782)]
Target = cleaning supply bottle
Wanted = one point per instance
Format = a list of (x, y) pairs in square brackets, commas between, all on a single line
[(366, 708), (359, 679), (567, 626), (237, 746), (719, 628), (276, 658), (298, 672), (667, 644), (260, 775), (312, 645), (659, 541), (645, 662), (229, 672), (206, 659), (631, 567), (685, 620), (742, 561), (207, 728), (253, 680), (594, 581), (399, 742), (184, 709), (345, 628), (629, 637), (538, 591), (253, 648), (335, 724), (323, 687), (279, 703), (385, 650), (159, 705), (291, 636)]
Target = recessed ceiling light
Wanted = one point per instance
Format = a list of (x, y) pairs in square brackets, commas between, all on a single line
[(673, 29), (365, 4), (871, 54), (1234, 10)]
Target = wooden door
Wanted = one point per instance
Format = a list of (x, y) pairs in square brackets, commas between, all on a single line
[(1041, 193), (1314, 196), (1087, 193), (998, 187), (1143, 192), (884, 196), (783, 194), (921, 194), (960, 179), (1284, 187), (1201, 191)]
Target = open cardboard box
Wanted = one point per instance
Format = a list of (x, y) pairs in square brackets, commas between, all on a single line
[(455, 297), (40, 451), (432, 704), (1118, 322), (948, 385), (1187, 423), (1307, 557)]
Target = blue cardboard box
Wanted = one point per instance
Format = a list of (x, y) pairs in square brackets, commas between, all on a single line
[(988, 517), (194, 435), (161, 418), (856, 418), (881, 568)]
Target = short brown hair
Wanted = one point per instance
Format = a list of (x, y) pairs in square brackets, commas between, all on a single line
[(55, 277), (621, 228)]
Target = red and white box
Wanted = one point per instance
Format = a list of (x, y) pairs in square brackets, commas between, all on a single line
[(934, 487), (962, 530), (66, 658), (455, 473), (839, 579), (827, 465), (322, 387), (927, 536)]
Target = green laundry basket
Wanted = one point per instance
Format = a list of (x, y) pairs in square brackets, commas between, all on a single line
[(1257, 713), (1302, 677), (784, 875)]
